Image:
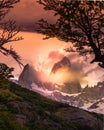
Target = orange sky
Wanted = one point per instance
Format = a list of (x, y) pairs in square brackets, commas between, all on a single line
[(44, 53), (33, 43), (33, 49)]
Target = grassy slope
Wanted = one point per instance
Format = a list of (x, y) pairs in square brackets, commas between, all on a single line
[(21, 109)]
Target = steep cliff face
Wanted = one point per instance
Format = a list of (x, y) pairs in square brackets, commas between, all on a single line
[(61, 64), (28, 76), (69, 86)]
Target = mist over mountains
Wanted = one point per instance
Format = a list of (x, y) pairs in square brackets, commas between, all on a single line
[(27, 13), (70, 92)]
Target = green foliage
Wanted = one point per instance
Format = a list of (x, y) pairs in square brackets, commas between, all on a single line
[(7, 122), (3, 108), (21, 109), (6, 71), (4, 84), (6, 96)]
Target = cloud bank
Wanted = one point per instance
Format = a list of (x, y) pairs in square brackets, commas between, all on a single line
[(27, 13)]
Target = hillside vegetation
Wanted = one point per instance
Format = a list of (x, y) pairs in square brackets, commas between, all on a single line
[(22, 109)]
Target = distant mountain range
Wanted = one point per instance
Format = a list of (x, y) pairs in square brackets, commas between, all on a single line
[(70, 93)]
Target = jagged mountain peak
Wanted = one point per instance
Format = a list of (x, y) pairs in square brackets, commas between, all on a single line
[(65, 59), (27, 66), (70, 92), (64, 62), (28, 75)]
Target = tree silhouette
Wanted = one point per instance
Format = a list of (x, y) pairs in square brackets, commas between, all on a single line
[(5, 71), (8, 30), (78, 21)]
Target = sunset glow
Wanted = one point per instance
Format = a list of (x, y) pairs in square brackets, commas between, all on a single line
[(42, 54), (51, 65)]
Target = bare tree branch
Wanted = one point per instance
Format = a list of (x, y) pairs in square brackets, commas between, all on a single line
[(8, 30), (80, 22)]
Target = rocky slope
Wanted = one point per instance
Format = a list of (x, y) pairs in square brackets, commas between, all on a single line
[(86, 99), (97, 107), (22, 109)]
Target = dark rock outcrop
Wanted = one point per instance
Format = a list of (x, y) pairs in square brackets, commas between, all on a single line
[(63, 63), (28, 76), (94, 93), (71, 87), (96, 104)]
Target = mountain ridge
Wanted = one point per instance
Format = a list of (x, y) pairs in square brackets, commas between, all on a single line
[(70, 93)]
